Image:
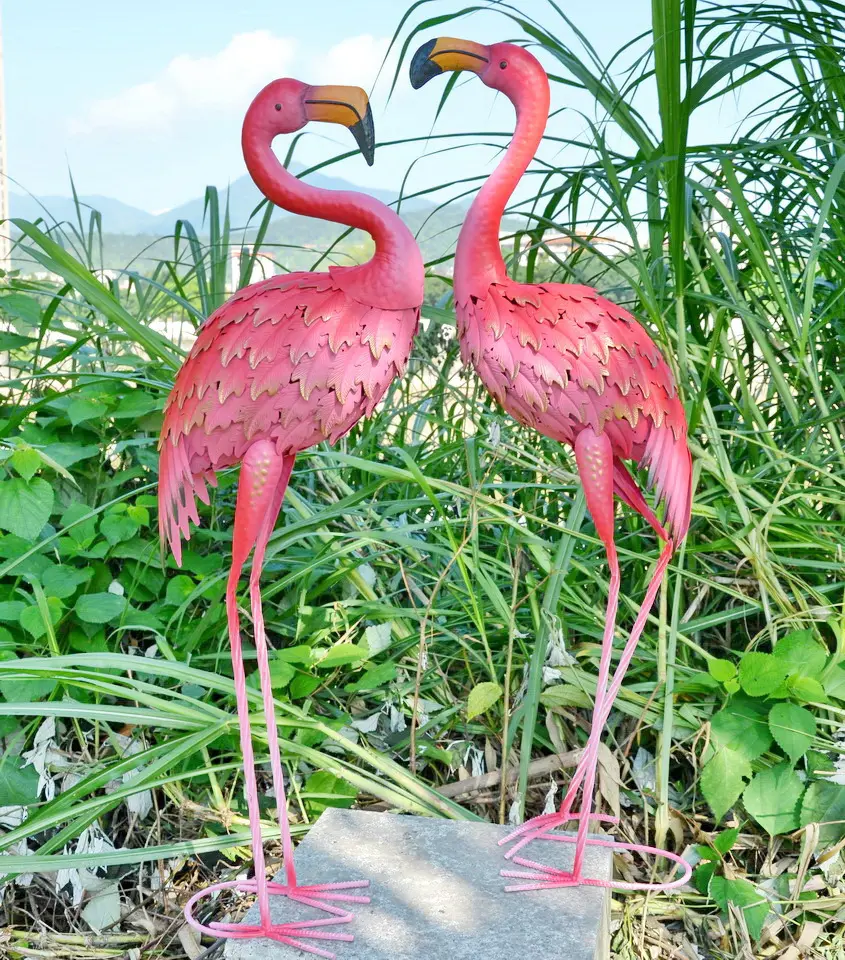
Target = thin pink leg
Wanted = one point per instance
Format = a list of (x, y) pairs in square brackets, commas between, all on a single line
[(595, 463), (264, 478), (334, 890), (267, 524)]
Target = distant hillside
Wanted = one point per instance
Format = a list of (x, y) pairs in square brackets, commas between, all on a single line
[(120, 217), (117, 216), (133, 237)]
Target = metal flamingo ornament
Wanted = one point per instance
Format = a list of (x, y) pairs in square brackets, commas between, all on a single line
[(563, 360), (285, 364)]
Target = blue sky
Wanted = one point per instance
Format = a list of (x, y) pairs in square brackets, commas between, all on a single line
[(143, 102)]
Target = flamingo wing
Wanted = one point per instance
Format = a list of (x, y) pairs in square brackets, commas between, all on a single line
[(293, 359), (559, 357)]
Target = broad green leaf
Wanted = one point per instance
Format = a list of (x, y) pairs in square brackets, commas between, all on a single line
[(81, 641), (138, 513), (819, 765), (723, 780), (742, 726), (724, 841), (834, 683), (48, 461), (10, 610), (32, 621), (202, 566), (824, 803), (721, 670), (63, 581), (703, 874), (83, 531), (136, 404), (565, 695), (482, 697), (99, 607), (67, 454), (299, 653), (343, 653), (179, 588), (378, 676), (773, 799), (303, 685), (18, 783), (23, 307), (281, 674), (116, 527), (807, 689), (802, 653), (761, 673), (323, 789), (14, 341), (745, 896), (26, 461), (793, 728), (25, 506), (83, 409)]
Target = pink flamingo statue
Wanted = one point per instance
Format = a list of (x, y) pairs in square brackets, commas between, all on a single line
[(563, 360), (285, 364)]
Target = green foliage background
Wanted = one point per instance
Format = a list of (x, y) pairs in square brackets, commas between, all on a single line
[(426, 564)]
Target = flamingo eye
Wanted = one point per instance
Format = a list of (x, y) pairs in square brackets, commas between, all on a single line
[(503, 64), (278, 106)]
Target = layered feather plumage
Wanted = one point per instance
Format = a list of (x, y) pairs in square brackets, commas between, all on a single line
[(560, 357), (294, 359)]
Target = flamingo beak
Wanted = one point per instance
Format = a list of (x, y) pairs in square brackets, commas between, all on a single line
[(446, 53), (348, 106)]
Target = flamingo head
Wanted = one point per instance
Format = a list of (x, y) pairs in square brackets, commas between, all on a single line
[(502, 66), (285, 106)]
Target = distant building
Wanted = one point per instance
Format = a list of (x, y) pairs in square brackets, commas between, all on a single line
[(562, 244)]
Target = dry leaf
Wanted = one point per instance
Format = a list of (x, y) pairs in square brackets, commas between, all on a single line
[(609, 779)]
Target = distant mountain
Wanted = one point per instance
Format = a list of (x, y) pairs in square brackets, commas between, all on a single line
[(133, 237), (118, 217), (244, 197)]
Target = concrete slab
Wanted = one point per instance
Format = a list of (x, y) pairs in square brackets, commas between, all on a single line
[(437, 895)]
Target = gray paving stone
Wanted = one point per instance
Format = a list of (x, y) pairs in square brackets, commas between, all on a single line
[(437, 894)]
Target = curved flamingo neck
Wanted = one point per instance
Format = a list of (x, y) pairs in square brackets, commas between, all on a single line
[(478, 258), (393, 278)]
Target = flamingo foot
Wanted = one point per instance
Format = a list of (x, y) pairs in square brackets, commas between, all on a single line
[(538, 827), (544, 877), (293, 933)]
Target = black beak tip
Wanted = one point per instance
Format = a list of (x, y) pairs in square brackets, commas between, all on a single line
[(365, 136), (422, 68)]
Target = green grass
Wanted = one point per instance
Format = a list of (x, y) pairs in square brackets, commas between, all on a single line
[(457, 539)]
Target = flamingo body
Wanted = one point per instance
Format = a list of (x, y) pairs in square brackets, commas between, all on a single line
[(294, 360), (560, 358), (565, 361), (283, 365)]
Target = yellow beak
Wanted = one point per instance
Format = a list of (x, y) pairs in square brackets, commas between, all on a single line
[(446, 53), (348, 106)]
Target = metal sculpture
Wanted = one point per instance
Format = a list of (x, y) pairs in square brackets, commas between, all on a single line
[(563, 360), (284, 364)]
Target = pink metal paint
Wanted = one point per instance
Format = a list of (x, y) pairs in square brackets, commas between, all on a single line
[(284, 364), (565, 361)]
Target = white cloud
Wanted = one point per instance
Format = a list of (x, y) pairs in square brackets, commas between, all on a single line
[(224, 81), (354, 61)]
